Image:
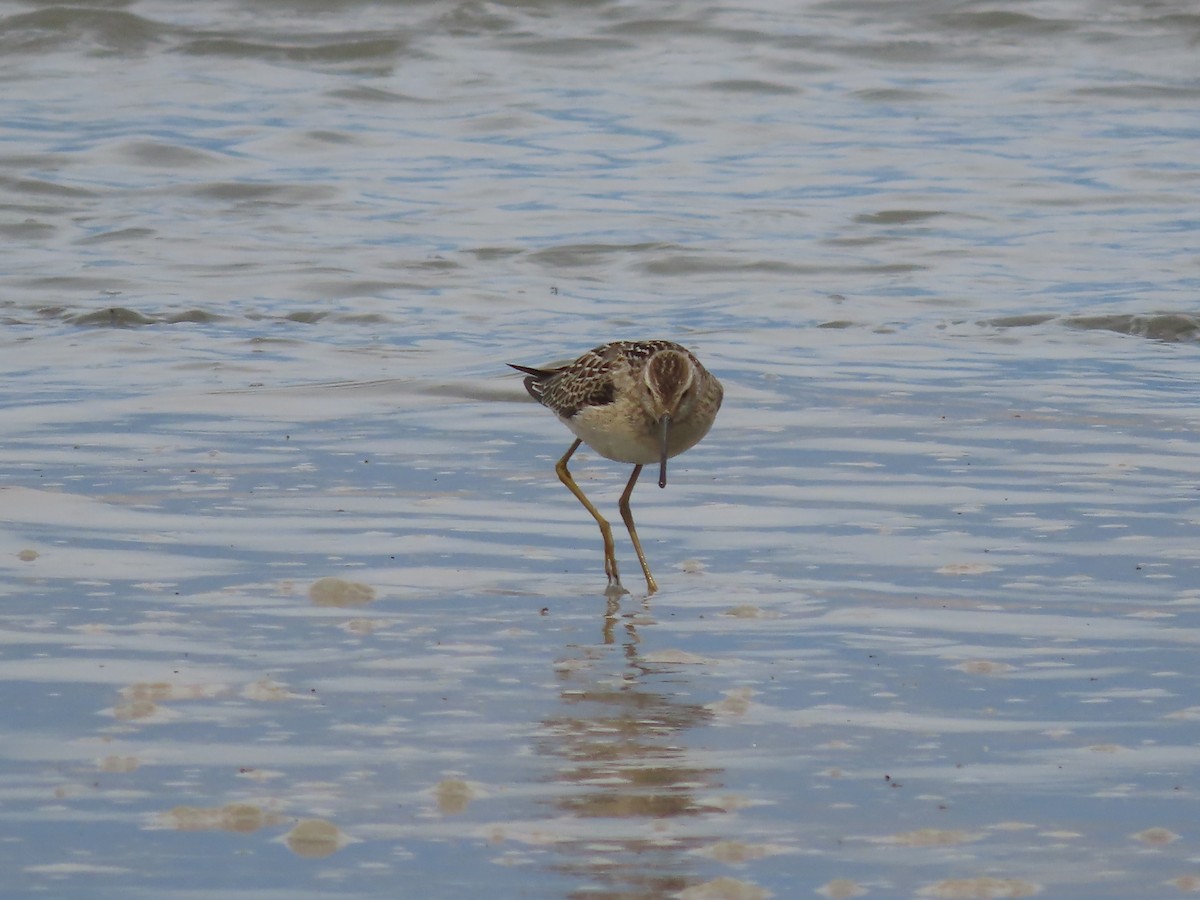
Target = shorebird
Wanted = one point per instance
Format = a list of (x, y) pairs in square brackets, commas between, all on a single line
[(633, 402)]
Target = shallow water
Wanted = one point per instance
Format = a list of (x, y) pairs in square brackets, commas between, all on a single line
[(293, 603)]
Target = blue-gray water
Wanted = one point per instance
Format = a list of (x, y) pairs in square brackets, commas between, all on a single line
[(293, 604)]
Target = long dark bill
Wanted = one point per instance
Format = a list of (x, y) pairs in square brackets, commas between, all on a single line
[(665, 425)]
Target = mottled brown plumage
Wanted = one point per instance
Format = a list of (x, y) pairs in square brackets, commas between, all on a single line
[(630, 401)]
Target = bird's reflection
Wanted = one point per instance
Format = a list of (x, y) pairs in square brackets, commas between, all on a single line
[(621, 753)]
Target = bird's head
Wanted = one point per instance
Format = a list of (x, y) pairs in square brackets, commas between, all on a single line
[(670, 377)]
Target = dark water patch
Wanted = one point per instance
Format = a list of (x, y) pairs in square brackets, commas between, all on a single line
[(365, 94), (1165, 327), (354, 51), (896, 95), (692, 264), (574, 255), (1186, 93), (365, 319), (751, 86), (38, 187), (331, 137), (911, 52), (1024, 321), (123, 317), (257, 192), (306, 317), (194, 317), (338, 289), (90, 285), (29, 230), (695, 25), (474, 19), (52, 312), (162, 154), (897, 216), (489, 254), (433, 264), (112, 317), (579, 50), (100, 31), (120, 234), (1003, 20), (1182, 22)]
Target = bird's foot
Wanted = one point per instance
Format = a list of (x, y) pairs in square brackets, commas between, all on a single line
[(615, 589)]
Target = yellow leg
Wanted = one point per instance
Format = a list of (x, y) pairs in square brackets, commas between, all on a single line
[(627, 515), (610, 553)]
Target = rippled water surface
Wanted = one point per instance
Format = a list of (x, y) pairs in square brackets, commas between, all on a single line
[(293, 604)]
